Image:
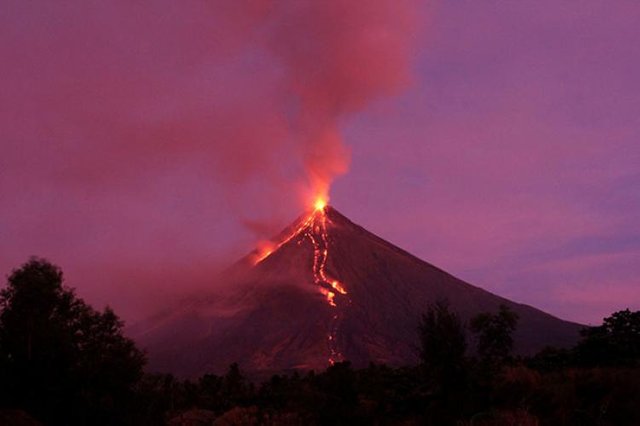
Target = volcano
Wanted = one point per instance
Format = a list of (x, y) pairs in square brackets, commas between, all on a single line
[(325, 290)]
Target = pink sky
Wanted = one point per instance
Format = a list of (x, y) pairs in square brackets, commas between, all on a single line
[(139, 141)]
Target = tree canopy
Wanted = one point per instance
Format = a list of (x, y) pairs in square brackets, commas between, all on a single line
[(442, 348), (60, 359), (615, 342), (493, 331)]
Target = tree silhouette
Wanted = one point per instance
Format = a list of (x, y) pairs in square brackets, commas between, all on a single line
[(442, 352), (61, 360), (494, 335), (442, 338), (615, 342), (442, 347)]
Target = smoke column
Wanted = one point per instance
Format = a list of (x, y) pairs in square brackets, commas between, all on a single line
[(338, 56)]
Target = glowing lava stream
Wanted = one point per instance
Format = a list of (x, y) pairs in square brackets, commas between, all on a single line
[(315, 229)]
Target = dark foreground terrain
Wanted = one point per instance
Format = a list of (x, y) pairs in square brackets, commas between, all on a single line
[(64, 363)]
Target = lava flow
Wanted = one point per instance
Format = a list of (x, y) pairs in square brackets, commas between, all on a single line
[(314, 227)]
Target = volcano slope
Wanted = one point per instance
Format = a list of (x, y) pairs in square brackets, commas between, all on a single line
[(327, 290)]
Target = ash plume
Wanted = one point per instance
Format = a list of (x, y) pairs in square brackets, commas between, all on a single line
[(338, 57), (149, 124)]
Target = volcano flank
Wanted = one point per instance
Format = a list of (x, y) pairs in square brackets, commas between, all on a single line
[(325, 290)]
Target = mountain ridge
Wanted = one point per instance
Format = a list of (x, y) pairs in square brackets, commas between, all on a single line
[(327, 290)]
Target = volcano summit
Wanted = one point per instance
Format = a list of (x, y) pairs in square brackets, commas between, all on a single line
[(324, 290)]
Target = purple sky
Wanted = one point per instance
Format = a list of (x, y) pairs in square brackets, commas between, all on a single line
[(144, 147)]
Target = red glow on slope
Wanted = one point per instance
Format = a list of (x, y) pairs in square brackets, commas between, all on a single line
[(314, 227), (264, 250), (329, 295), (263, 254)]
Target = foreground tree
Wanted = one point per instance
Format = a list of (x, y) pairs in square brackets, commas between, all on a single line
[(61, 360), (493, 332), (442, 352), (442, 339), (615, 342)]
